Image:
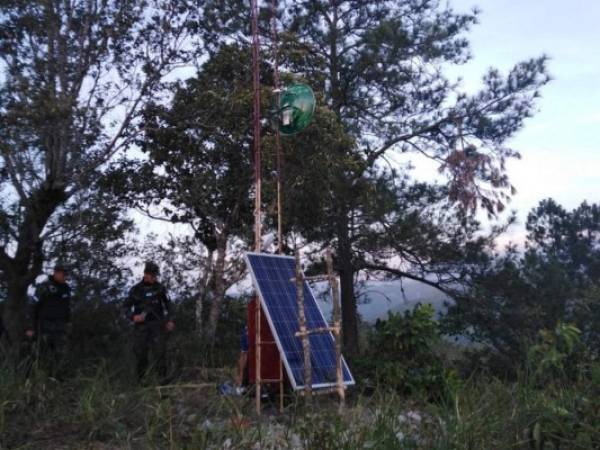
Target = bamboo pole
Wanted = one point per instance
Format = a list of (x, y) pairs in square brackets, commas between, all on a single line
[(279, 157), (315, 331), (184, 386), (280, 385), (258, 346), (304, 334), (277, 92), (257, 180), (256, 122), (339, 373)]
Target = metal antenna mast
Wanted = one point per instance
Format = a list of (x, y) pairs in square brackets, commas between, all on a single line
[(257, 156), (277, 92), (257, 180)]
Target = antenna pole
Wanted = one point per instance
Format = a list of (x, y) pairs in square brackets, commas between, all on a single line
[(256, 88), (257, 180), (277, 92)]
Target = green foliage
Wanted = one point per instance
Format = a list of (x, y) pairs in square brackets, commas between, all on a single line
[(98, 407), (494, 414), (513, 297), (403, 353), (73, 84), (198, 172), (98, 331), (410, 335), (192, 351), (549, 356), (569, 237), (586, 314), (378, 70), (92, 236), (203, 140)]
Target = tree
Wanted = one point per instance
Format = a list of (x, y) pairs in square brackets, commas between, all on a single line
[(198, 170), (570, 238), (416, 233), (379, 66), (92, 237), (75, 75), (516, 295)]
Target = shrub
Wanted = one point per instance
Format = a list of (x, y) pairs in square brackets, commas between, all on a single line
[(549, 358), (403, 353)]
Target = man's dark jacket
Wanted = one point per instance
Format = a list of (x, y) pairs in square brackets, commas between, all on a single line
[(149, 299), (52, 311)]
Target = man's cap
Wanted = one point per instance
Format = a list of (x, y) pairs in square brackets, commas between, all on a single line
[(60, 267), (151, 268)]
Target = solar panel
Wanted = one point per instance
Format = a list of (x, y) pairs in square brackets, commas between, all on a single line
[(273, 277)]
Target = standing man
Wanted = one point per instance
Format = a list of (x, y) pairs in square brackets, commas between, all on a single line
[(241, 380), (148, 307), (52, 314)]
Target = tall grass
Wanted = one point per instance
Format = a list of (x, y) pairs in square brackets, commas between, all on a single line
[(100, 406)]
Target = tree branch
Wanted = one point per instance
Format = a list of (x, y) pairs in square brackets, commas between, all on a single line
[(401, 273), (405, 137)]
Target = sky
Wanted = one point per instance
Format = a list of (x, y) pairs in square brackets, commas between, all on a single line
[(560, 145)]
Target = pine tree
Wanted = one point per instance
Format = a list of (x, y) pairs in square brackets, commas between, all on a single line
[(75, 75), (381, 67)]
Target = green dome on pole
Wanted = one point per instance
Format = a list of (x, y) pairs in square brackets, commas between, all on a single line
[(296, 108)]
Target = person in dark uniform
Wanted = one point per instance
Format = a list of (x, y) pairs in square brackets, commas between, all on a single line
[(52, 314), (148, 307), (241, 380)]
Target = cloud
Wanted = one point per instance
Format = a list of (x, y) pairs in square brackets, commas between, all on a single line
[(589, 119), (569, 177)]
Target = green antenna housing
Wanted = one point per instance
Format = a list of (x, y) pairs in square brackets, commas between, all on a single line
[(296, 108)]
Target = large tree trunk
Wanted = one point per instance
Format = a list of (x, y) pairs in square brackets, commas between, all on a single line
[(219, 284), (203, 293), (22, 269), (344, 250), (14, 317), (346, 272)]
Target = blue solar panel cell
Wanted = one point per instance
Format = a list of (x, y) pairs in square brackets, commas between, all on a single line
[(273, 277)]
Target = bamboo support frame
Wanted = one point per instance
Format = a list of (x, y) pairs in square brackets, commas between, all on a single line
[(280, 385), (258, 344), (317, 278), (304, 334), (337, 330), (256, 123), (314, 278), (315, 331)]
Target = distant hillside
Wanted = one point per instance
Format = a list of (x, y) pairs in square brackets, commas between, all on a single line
[(377, 298)]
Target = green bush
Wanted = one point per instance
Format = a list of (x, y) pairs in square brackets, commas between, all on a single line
[(402, 354), (188, 349), (555, 354)]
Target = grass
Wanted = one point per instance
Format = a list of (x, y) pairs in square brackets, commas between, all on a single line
[(100, 408)]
